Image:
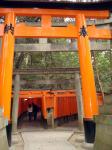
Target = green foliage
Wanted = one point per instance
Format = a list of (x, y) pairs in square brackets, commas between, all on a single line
[(104, 69), (49, 60)]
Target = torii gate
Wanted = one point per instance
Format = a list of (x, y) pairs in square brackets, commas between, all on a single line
[(83, 33)]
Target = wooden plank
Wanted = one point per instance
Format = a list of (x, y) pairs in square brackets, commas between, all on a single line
[(24, 31), (99, 45), (48, 82), (45, 71), (55, 12)]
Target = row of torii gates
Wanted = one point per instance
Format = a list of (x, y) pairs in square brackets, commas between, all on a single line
[(80, 31)]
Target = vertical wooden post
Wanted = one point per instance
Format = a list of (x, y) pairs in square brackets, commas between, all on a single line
[(90, 102), (79, 100), (88, 84), (44, 111), (15, 102), (6, 63)]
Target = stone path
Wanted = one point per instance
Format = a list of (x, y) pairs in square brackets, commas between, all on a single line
[(47, 140), (32, 136)]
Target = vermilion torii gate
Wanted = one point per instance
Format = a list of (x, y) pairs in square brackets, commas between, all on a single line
[(83, 33)]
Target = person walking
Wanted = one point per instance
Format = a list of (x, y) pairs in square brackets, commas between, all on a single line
[(35, 110), (30, 110)]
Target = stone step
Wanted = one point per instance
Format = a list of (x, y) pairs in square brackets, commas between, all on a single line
[(106, 109), (101, 146), (108, 99), (103, 139)]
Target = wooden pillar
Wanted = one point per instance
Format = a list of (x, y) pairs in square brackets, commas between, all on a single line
[(15, 103), (79, 99), (6, 64), (87, 75), (90, 102)]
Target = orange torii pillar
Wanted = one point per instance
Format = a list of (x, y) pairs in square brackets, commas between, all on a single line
[(6, 65), (90, 102)]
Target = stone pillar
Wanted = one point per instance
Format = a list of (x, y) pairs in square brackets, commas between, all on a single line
[(3, 136), (79, 100), (52, 112), (43, 40), (15, 103), (50, 117)]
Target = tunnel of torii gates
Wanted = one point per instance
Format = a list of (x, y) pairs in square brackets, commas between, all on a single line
[(83, 33)]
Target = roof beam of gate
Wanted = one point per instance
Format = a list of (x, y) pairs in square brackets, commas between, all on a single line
[(46, 29), (58, 4), (55, 12), (24, 31)]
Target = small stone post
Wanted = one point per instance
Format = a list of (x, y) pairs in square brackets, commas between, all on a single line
[(15, 103), (43, 40), (79, 100), (3, 136)]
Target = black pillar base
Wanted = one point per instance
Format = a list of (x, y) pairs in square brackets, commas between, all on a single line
[(9, 133), (89, 128)]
